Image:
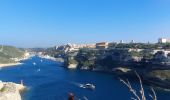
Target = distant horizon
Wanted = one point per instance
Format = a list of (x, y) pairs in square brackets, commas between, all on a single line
[(126, 42), (118, 41), (37, 23)]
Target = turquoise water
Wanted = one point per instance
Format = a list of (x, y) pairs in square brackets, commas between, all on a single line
[(48, 81)]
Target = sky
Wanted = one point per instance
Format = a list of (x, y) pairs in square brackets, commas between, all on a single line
[(45, 23)]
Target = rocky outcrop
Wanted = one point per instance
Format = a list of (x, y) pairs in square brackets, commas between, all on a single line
[(160, 78), (72, 66), (121, 69), (10, 91)]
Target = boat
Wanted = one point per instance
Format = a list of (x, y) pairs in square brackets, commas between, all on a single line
[(88, 86), (34, 63), (39, 70)]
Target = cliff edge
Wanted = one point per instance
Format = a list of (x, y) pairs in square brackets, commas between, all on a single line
[(10, 91)]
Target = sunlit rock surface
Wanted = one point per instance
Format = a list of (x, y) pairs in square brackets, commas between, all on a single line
[(10, 91)]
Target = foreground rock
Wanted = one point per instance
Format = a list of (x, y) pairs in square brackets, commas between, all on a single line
[(10, 91)]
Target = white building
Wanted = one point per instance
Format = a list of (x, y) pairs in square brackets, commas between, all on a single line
[(102, 45), (163, 40), (121, 41), (74, 47), (132, 41)]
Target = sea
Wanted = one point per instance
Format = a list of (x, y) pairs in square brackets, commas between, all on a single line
[(49, 80)]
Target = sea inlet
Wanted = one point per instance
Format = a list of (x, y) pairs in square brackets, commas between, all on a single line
[(47, 80)]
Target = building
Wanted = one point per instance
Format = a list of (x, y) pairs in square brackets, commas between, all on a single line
[(102, 45), (163, 40), (73, 47), (121, 41), (112, 45), (92, 46), (132, 41)]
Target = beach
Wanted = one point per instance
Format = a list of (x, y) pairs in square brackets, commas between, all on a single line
[(9, 64)]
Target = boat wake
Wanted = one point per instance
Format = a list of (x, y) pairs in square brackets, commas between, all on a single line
[(85, 86), (77, 84), (38, 70)]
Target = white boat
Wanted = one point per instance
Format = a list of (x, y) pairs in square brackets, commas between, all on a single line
[(88, 86), (34, 63)]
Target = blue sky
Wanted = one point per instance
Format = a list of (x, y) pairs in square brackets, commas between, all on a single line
[(44, 23)]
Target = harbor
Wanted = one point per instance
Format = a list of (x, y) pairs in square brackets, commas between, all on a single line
[(53, 82)]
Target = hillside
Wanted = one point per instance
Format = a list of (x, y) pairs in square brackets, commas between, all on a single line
[(8, 52)]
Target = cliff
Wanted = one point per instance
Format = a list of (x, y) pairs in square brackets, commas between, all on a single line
[(123, 62), (10, 91), (159, 78)]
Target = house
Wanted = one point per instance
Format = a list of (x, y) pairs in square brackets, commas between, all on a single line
[(102, 45)]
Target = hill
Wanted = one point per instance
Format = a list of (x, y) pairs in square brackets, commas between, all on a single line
[(8, 52)]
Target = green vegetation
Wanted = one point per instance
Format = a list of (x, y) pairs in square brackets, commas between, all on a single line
[(3, 89), (13, 52), (8, 52), (161, 74), (107, 62), (72, 61), (120, 54), (86, 57), (6, 61), (146, 54), (143, 45), (135, 53), (138, 45), (89, 64)]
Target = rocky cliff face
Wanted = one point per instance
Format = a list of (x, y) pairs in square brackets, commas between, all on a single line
[(10, 91), (72, 66)]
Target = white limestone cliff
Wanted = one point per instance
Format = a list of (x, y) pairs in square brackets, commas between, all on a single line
[(10, 91)]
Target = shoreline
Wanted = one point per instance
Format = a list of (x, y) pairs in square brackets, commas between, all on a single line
[(14, 64), (10, 64), (51, 58)]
